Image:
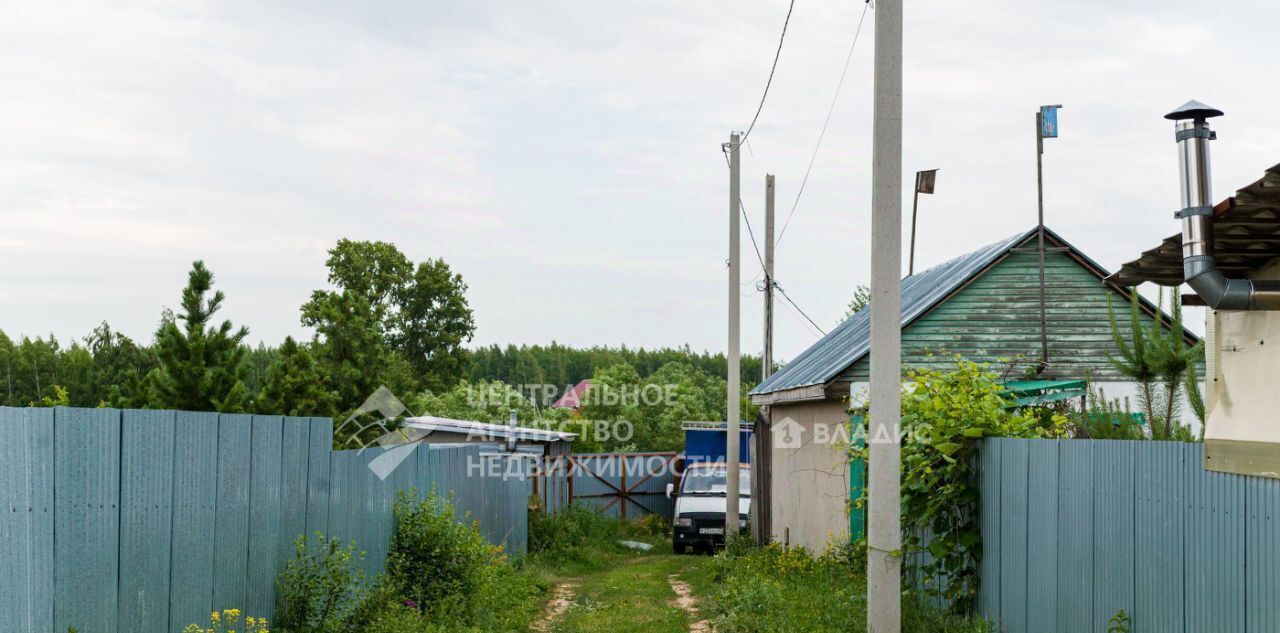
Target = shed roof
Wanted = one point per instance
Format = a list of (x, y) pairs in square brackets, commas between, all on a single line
[(1246, 235), (806, 376), (487, 431)]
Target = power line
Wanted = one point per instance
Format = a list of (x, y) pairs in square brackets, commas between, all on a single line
[(742, 208), (825, 123), (793, 304), (772, 69)]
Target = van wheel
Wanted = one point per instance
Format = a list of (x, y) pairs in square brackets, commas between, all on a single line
[(679, 548)]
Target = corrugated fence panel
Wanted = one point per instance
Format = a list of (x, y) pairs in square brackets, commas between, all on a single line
[(1139, 526), (1215, 548), (1042, 536), (1159, 512), (1013, 533), (86, 519), (1075, 536), (320, 444), (293, 486), (338, 498), (989, 524), (195, 494), (147, 520), (26, 527), (146, 517), (376, 517), (265, 510), (1262, 542), (1113, 531), (231, 518)]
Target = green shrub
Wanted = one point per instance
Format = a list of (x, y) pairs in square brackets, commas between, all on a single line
[(442, 577), (944, 414), (319, 587), (576, 539), (435, 560), (775, 588)]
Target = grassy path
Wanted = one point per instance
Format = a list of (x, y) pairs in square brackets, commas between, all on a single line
[(637, 595)]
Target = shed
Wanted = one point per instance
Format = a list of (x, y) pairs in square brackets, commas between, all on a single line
[(983, 306)]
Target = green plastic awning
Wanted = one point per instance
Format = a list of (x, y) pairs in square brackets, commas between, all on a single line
[(1026, 393)]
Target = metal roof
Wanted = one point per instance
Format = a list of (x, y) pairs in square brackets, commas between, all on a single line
[(1246, 235), (486, 431), (851, 340)]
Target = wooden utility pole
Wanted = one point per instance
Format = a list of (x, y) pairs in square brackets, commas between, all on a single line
[(1044, 317), (735, 373), (924, 184), (761, 459), (884, 529), (1046, 127), (767, 359)]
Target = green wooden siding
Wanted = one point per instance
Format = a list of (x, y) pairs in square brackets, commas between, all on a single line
[(997, 316)]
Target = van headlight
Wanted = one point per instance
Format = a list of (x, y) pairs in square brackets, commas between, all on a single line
[(742, 524), (684, 522)]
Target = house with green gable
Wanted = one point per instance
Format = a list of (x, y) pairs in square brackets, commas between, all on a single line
[(984, 306)]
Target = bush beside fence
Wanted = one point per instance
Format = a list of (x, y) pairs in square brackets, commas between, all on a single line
[(121, 520), (1075, 530)]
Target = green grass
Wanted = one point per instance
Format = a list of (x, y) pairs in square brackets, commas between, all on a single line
[(747, 590)]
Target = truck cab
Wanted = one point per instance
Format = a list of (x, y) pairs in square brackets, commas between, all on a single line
[(699, 517)]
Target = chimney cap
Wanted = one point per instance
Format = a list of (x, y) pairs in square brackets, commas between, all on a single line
[(1193, 110)]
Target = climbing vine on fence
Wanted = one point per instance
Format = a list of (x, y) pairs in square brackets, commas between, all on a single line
[(944, 414)]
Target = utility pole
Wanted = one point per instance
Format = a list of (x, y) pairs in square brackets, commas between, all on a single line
[(1046, 127), (767, 357), (884, 524), (735, 373), (762, 458)]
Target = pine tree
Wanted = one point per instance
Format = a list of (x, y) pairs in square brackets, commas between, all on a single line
[(295, 385), (202, 366)]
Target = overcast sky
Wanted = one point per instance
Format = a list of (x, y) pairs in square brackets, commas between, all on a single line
[(564, 157)]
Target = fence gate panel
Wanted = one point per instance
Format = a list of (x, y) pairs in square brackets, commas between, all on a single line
[(622, 485)]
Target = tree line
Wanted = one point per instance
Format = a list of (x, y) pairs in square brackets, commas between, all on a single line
[(384, 321)]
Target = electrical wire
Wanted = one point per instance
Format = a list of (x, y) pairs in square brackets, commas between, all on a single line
[(825, 123), (772, 70), (793, 304), (750, 232)]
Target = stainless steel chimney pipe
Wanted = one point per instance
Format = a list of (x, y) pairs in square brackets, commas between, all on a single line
[(1192, 133)]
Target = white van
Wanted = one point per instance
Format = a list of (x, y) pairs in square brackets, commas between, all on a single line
[(700, 504)]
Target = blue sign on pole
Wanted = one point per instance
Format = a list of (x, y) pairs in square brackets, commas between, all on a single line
[(1048, 121)]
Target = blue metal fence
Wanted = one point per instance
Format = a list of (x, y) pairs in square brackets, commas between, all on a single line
[(1075, 530), (141, 520)]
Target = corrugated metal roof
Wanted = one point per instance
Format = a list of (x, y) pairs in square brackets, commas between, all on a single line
[(486, 431), (1246, 235), (851, 340)]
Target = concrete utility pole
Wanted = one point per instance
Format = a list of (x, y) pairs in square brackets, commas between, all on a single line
[(884, 529), (734, 377), (767, 358)]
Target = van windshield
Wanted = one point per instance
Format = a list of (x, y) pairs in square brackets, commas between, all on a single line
[(711, 481)]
